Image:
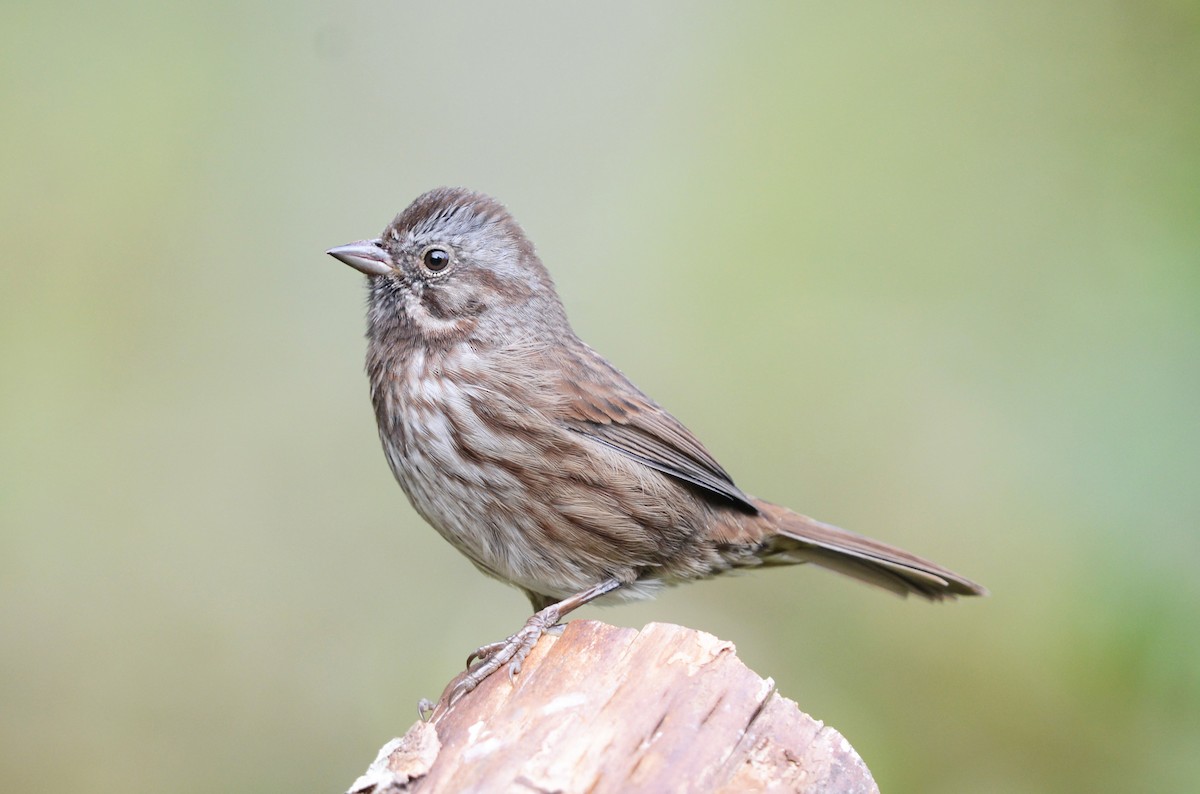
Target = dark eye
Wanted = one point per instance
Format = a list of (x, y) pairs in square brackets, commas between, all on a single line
[(437, 259)]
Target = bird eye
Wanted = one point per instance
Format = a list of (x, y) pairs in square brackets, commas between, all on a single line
[(436, 259)]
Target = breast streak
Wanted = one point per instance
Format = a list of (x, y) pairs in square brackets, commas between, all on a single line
[(527, 501)]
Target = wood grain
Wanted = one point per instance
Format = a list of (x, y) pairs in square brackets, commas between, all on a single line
[(606, 709)]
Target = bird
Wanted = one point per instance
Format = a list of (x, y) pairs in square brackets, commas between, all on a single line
[(538, 459)]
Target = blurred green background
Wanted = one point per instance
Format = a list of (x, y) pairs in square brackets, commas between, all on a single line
[(928, 271)]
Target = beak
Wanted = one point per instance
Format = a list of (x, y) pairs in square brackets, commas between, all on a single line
[(366, 256)]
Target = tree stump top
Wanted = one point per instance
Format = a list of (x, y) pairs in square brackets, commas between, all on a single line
[(606, 709)]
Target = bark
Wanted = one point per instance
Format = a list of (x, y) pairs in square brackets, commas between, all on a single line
[(605, 709)]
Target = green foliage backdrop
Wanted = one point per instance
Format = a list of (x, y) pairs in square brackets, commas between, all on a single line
[(929, 271)]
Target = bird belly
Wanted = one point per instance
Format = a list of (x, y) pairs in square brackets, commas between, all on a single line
[(464, 478), (528, 501)]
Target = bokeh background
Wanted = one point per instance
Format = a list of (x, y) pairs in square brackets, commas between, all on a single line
[(930, 271)]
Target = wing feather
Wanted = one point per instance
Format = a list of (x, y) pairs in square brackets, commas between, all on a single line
[(604, 406)]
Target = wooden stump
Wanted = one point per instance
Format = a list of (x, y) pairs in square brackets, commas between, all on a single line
[(605, 709)]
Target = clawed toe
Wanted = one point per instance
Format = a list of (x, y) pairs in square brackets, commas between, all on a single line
[(512, 651), (460, 689), (487, 659), (485, 652)]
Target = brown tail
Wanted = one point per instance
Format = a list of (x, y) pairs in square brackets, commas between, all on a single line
[(803, 539)]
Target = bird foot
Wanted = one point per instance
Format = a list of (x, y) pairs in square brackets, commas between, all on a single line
[(510, 652)]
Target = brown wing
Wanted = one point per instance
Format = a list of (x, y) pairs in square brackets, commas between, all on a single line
[(604, 406)]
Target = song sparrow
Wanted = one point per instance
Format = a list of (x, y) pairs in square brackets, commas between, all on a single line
[(538, 459)]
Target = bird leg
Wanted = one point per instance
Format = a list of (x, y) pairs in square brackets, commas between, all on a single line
[(512, 651)]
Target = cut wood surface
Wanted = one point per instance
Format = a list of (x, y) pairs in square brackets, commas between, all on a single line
[(606, 709)]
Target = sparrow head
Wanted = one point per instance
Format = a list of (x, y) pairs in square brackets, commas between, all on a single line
[(455, 264)]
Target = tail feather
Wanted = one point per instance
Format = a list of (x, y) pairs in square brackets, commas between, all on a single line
[(804, 539)]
